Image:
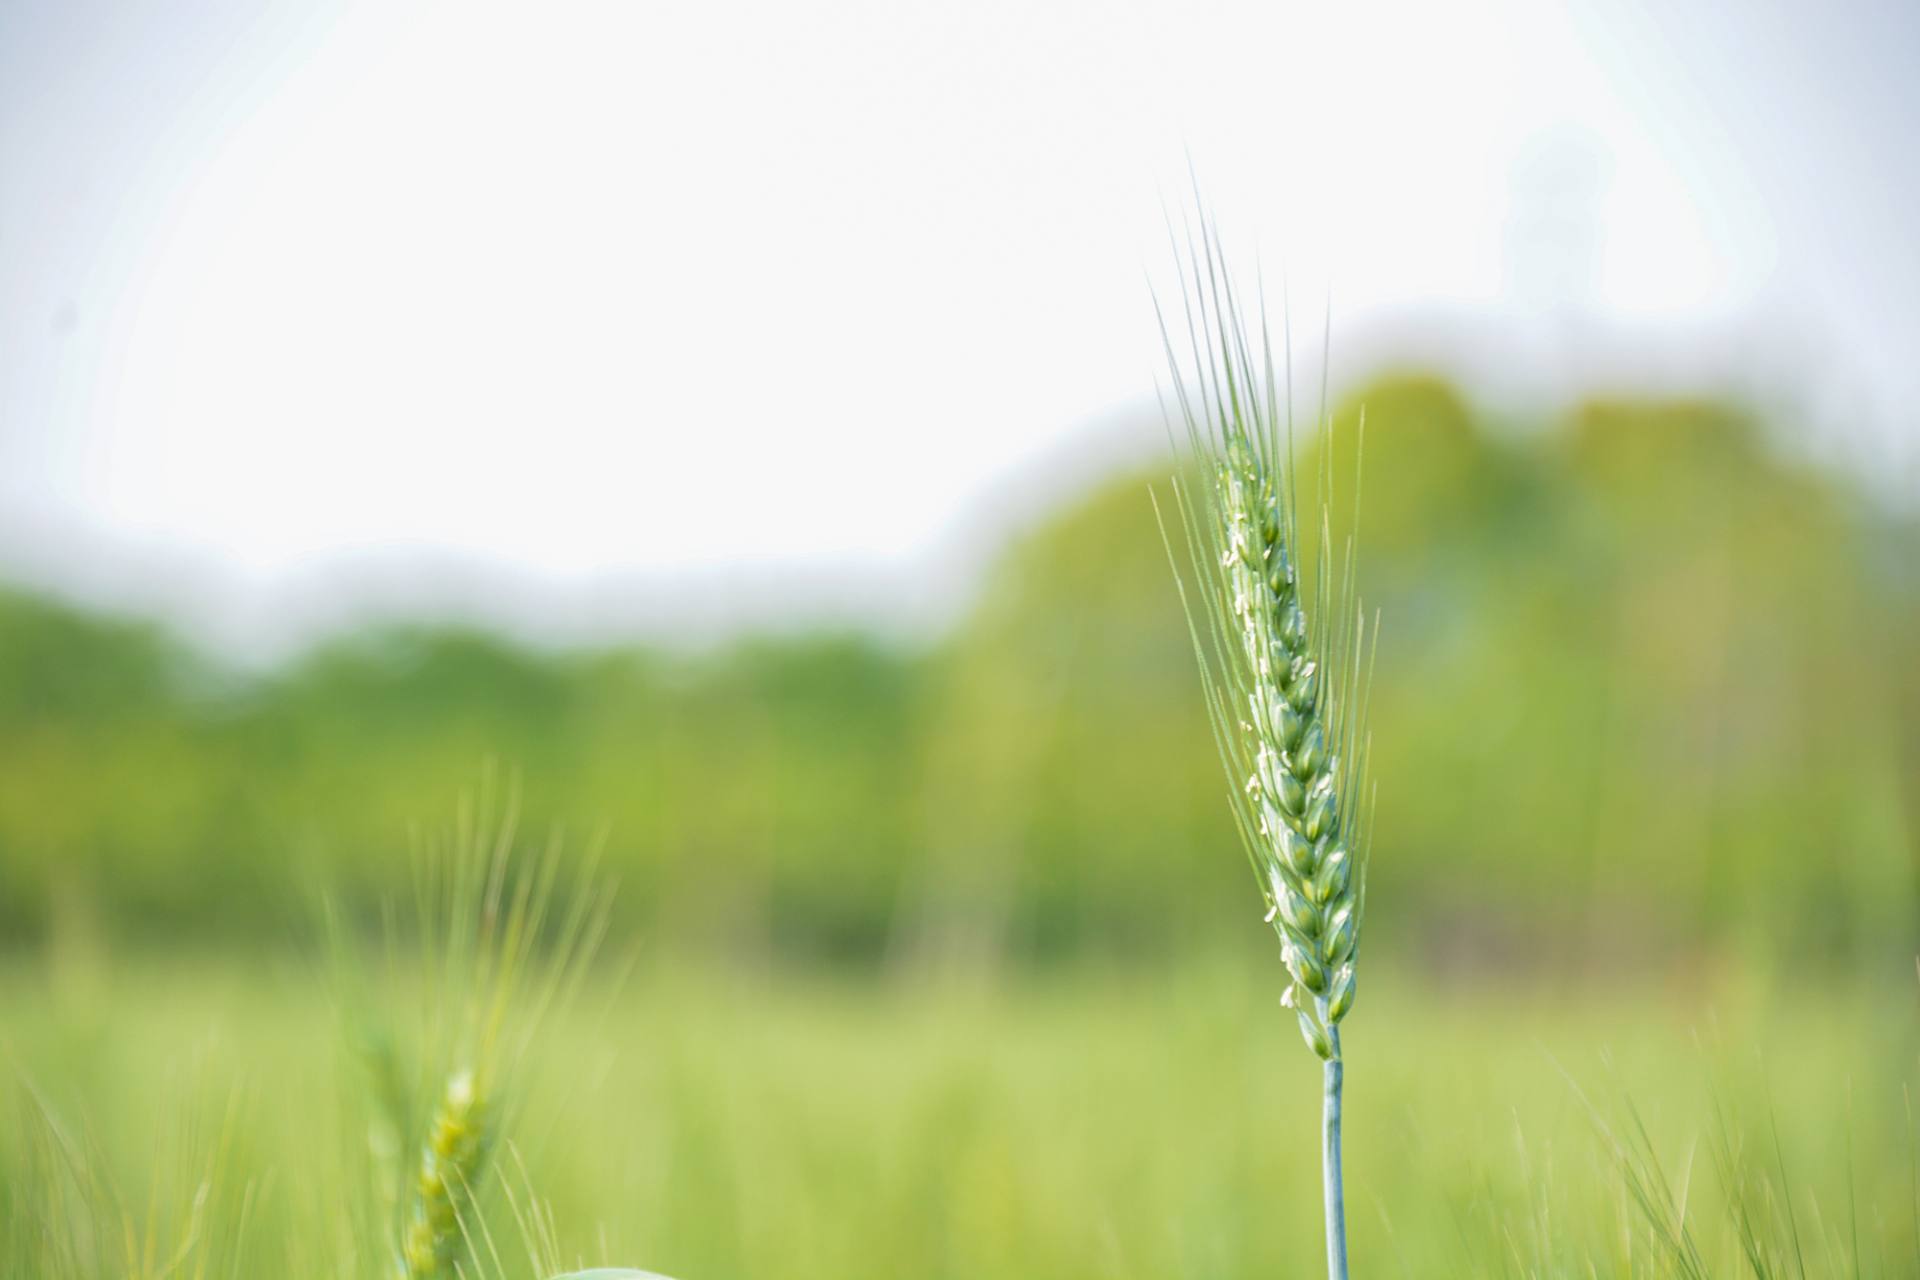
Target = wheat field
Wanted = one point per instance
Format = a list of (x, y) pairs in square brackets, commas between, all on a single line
[(1099, 1123)]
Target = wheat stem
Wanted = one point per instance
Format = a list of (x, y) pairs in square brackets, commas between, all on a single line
[(1334, 1189)]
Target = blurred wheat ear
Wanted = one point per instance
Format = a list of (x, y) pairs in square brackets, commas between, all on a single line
[(1283, 659), (503, 945)]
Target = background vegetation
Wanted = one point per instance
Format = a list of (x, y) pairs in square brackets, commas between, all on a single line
[(1648, 687), (948, 962)]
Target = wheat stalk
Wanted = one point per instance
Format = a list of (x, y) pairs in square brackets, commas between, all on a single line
[(507, 946), (450, 1166), (1282, 665)]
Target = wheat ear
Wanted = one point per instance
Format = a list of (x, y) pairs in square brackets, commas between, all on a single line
[(450, 1167), (509, 947), (1283, 674)]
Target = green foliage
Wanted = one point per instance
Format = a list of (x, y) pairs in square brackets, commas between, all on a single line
[(1644, 684)]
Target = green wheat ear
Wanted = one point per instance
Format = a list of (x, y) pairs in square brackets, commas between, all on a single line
[(505, 945), (455, 1154), (1282, 661)]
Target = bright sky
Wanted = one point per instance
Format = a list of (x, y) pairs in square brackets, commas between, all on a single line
[(765, 299)]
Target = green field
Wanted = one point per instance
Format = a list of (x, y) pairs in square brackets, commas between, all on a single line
[(1092, 1124)]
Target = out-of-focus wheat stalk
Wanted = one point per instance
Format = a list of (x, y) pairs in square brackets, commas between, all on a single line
[(504, 945), (456, 1151)]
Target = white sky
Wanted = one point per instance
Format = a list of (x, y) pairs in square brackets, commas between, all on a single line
[(774, 301)]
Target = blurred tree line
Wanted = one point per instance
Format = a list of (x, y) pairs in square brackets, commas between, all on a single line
[(1645, 690)]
